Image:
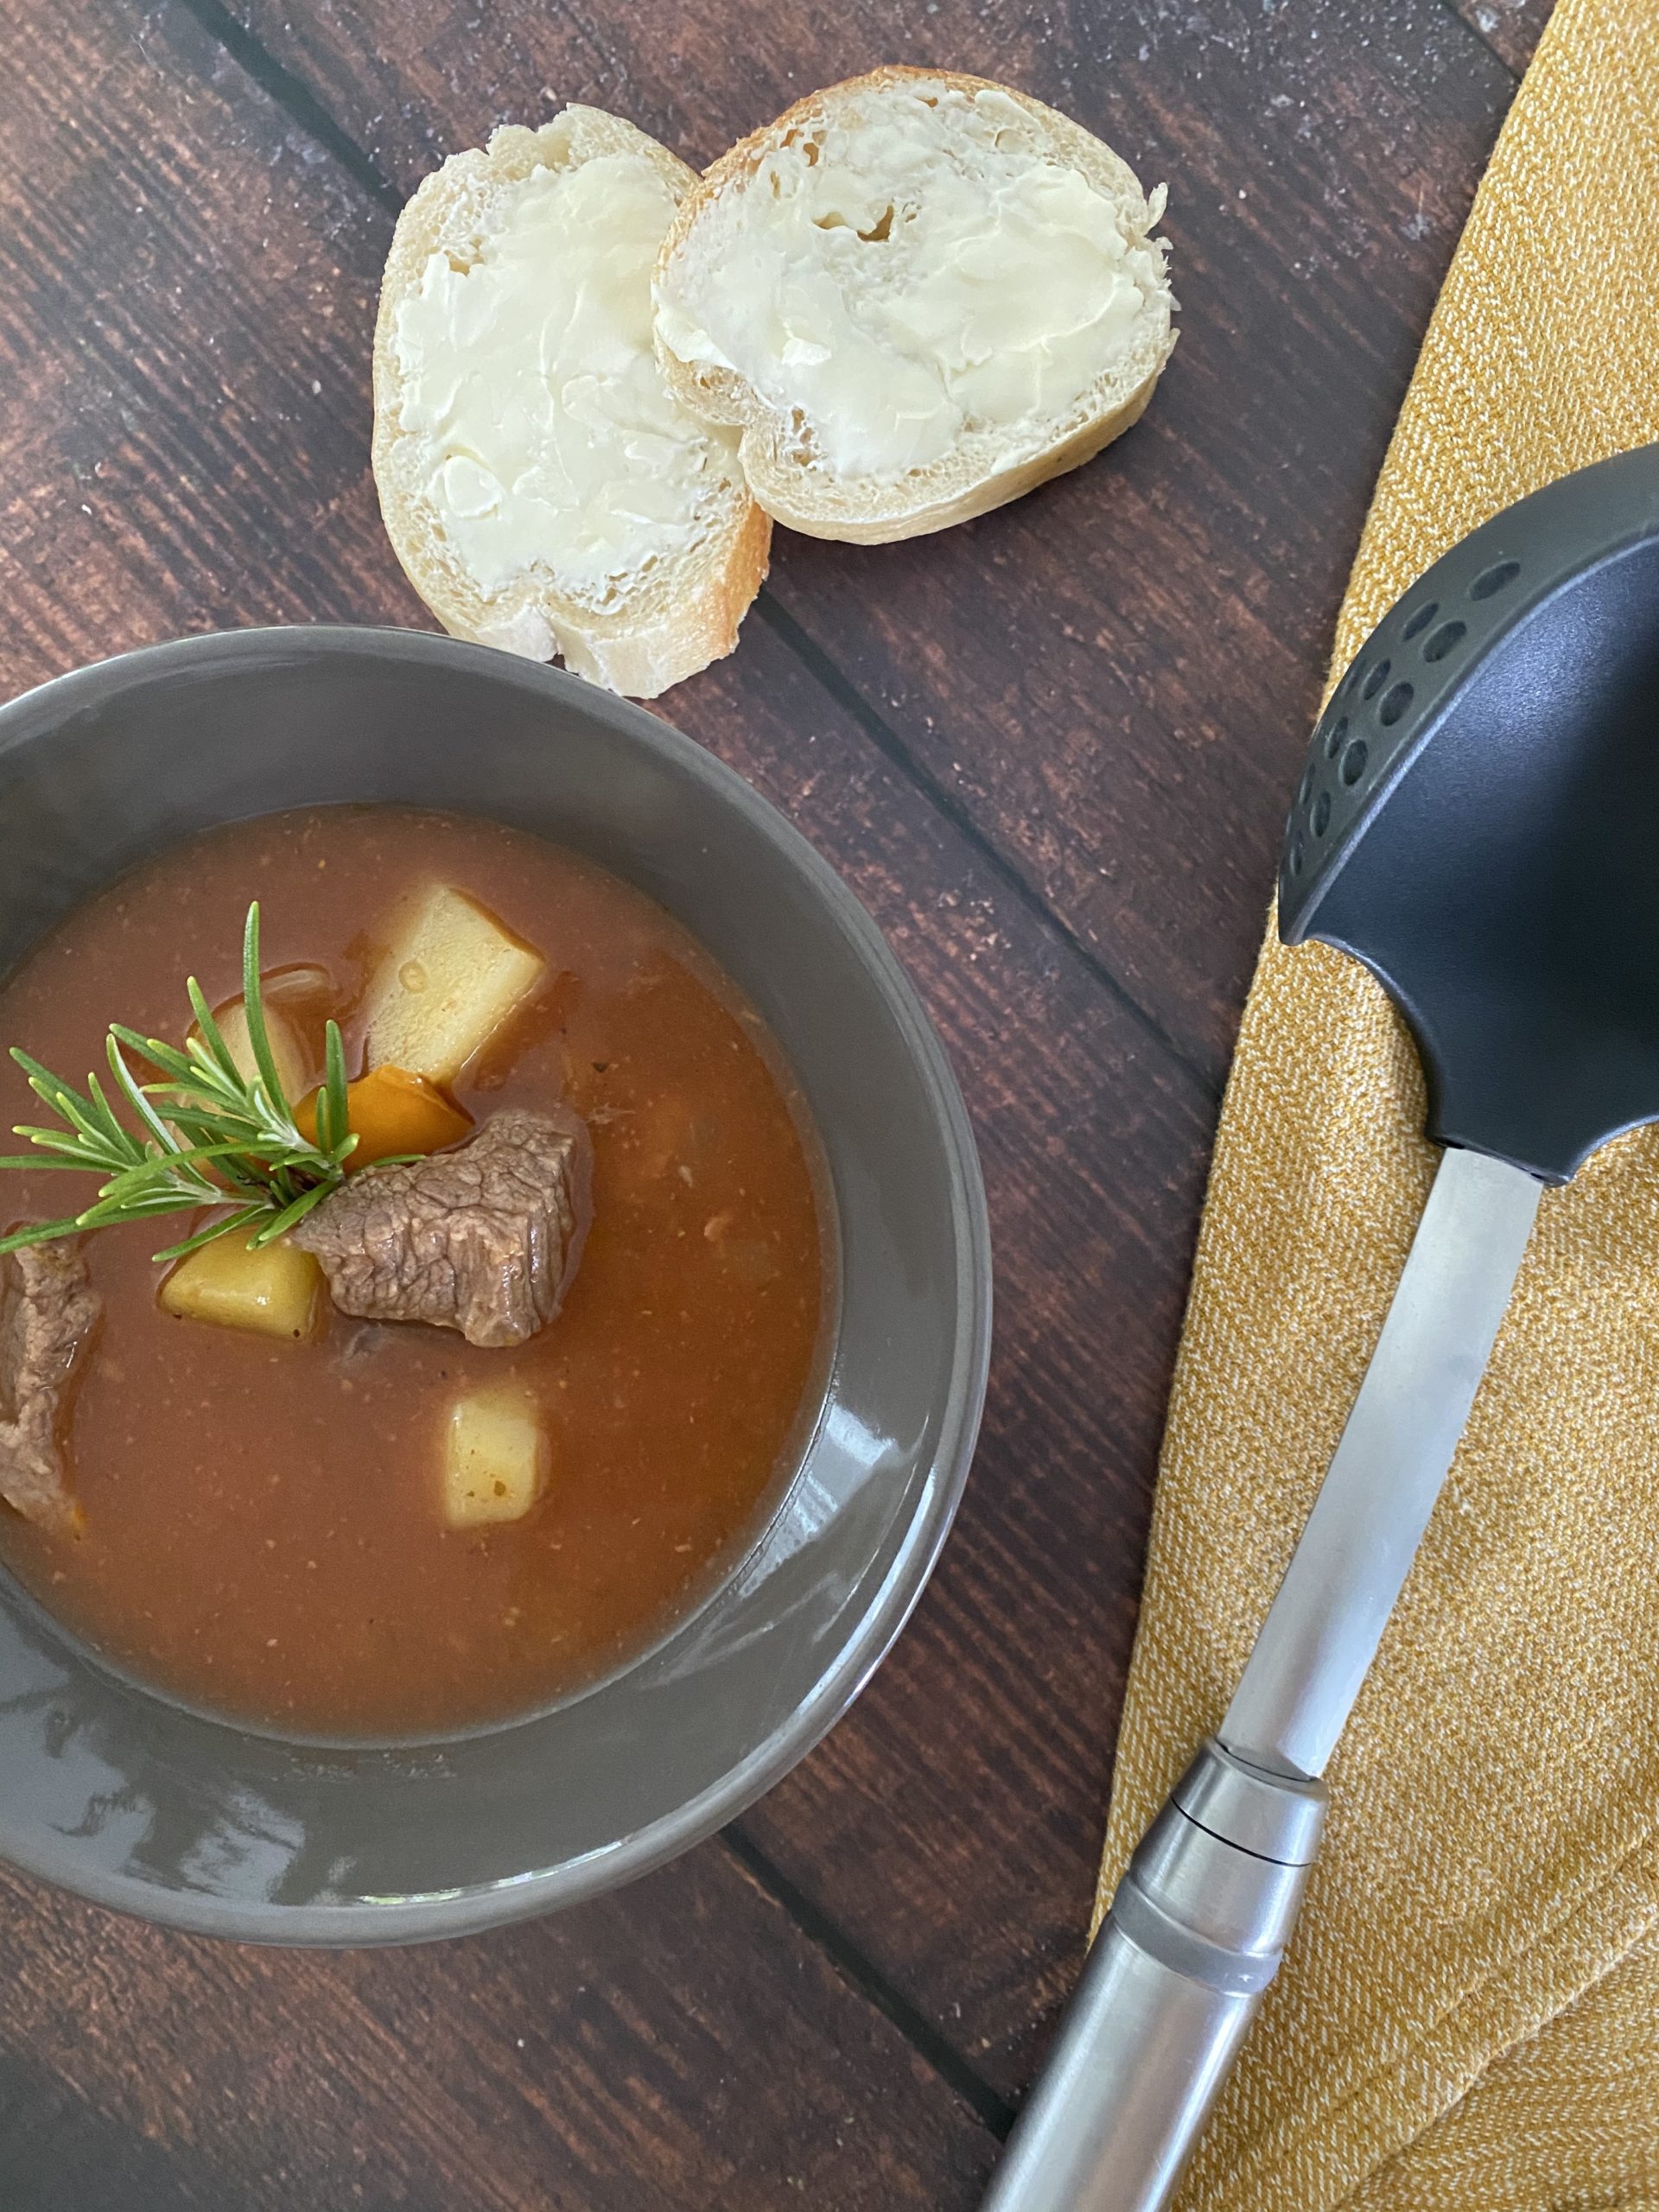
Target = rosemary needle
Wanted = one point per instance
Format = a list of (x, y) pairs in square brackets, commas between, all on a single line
[(208, 1133)]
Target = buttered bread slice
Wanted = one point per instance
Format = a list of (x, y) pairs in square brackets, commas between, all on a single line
[(916, 296), (543, 487)]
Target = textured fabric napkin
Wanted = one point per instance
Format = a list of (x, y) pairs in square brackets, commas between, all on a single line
[(1468, 2016)]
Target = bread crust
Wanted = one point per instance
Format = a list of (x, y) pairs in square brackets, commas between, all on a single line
[(663, 626), (872, 514)]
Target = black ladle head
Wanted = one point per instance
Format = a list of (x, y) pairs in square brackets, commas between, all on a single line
[(1479, 821)]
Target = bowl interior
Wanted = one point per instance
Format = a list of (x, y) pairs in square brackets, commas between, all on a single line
[(144, 1806)]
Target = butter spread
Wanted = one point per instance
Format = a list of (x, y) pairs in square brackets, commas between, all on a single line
[(547, 436), (917, 270)]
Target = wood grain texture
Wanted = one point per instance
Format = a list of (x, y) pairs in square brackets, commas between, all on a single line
[(679, 2048), (1112, 678), (1511, 28), (185, 420)]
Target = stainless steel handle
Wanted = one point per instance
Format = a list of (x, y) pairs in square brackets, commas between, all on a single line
[(1194, 1937), (1137, 2066), (1328, 1615), (1199, 1920)]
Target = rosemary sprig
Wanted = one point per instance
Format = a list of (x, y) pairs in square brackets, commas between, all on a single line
[(208, 1133)]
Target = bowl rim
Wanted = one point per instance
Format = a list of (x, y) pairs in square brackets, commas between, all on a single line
[(33, 717)]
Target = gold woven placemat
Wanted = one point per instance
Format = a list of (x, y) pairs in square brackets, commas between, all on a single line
[(1469, 2016)]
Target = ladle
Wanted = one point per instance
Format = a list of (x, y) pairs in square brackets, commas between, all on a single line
[(1479, 824)]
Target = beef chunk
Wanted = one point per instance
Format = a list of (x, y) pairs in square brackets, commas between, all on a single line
[(48, 1312), (484, 1239)]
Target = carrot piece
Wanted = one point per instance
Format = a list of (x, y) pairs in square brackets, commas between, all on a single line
[(391, 1112)]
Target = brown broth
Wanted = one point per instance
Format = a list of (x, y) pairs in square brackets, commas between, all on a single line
[(262, 1534)]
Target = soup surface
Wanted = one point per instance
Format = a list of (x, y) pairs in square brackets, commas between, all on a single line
[(262, 1534)]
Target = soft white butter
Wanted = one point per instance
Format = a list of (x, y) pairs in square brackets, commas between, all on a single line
[(929, 271), (546, 434)]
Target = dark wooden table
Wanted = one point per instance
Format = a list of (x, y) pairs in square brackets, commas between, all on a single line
[(1051, 751)]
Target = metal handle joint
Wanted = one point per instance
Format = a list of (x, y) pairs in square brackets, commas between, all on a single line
[(1195, 1934), (1214, 1889)]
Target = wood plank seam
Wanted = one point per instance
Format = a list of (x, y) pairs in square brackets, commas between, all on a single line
[(846, 694), (988, 2105), (297, 100), (301, 106), (1491, 45)]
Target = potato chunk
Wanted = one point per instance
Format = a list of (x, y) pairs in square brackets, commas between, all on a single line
[(453, 976), (286, 1048), (494, 1459), (278, 1291)]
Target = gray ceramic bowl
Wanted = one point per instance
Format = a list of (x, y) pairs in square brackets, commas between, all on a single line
[(143, 1806)]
